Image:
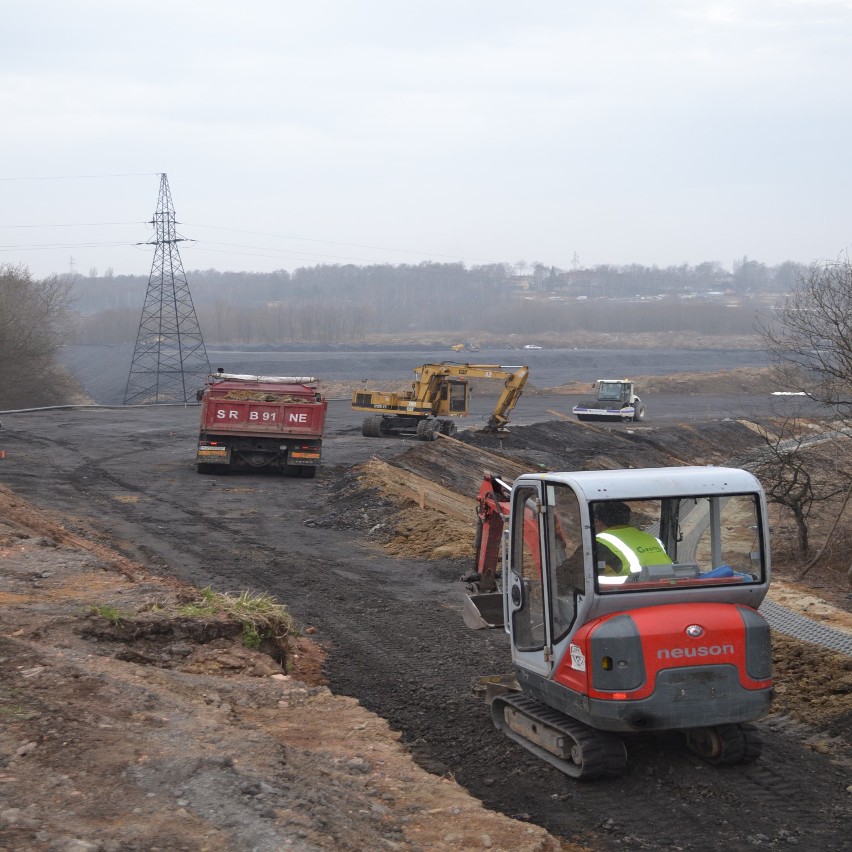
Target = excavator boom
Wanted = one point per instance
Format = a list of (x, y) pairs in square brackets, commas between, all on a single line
[(439, 391)]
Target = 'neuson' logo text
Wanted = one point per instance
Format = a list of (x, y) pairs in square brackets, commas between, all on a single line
[(697, 651)]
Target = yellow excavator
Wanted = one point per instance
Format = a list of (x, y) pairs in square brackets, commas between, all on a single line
[(439, 392)]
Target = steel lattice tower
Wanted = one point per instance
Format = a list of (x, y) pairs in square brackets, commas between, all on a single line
[(169, 362)]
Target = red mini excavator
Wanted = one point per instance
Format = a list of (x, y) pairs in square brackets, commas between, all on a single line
[(608, 639)]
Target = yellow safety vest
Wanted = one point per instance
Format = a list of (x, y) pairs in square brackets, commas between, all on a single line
[(634, 548)]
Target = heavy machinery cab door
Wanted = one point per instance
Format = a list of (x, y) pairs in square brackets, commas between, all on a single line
[(451, 397), (458, 393), (525, 581), (545, 577)]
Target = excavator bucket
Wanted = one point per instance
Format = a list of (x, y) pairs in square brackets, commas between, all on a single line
[(483, 610)]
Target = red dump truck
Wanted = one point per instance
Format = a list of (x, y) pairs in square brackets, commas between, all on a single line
[(260, 421)]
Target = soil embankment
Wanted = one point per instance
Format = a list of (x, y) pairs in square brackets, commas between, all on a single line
[(127, 725)]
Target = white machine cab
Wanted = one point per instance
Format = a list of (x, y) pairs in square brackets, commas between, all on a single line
[(631, 599)]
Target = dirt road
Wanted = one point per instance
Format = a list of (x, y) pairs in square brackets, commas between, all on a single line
[(394, 632)]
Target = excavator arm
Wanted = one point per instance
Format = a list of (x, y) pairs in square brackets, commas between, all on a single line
[(512, 390), (483, 606), (492, 511), (439, 391)]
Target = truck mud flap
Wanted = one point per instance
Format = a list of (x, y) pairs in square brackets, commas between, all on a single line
[(484, 610)]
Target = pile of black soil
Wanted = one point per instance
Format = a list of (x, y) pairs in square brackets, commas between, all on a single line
[(567, 445)]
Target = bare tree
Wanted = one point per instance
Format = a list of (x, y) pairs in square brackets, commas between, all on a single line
[(810, 340), (810, 336), (798, 469), (33, 323)]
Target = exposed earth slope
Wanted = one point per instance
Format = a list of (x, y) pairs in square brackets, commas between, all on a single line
[(127, 725)]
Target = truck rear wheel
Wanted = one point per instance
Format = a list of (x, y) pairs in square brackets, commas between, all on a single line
[(308, 472), (639, 413)]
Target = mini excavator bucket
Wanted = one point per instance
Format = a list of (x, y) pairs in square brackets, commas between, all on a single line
[(483, 610)]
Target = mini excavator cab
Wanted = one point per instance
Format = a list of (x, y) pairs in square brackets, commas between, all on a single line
[(645, 625)]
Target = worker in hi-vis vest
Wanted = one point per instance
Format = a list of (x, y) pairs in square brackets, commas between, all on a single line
[(622, 549)]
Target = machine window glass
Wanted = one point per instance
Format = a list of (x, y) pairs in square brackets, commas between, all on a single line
[(528, 619), (671, 543), (610, 391), (458, 397), (565, 545)]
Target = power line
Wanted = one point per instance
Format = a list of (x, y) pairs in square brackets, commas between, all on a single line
[(291, 254), (60, 245), (276, 254), (74, 225), (82, 177), (213, 227), (258, 251), (270, 249), (338, 243), (230, 230), (210, 247), (227, 248)]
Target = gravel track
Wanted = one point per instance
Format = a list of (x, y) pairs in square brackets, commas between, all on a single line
[(396, 639)]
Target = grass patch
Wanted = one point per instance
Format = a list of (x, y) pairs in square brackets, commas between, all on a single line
[(12, 708), (111, 613), (260, 616), (15, 711)]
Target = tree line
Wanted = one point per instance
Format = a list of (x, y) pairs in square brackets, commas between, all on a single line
[(326, 321), (404, 284), (347, 303)]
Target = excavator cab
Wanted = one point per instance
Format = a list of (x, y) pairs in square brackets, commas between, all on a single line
[(452, 399), (646, 624)]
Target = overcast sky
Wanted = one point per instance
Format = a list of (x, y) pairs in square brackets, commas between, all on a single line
[(395, 131)]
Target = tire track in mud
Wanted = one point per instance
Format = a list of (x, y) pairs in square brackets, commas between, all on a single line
[(397, 643)]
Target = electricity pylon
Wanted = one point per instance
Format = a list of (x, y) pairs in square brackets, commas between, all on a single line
[(169, 362)]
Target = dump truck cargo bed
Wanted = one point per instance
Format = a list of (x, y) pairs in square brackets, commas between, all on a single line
[(260, 421)]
